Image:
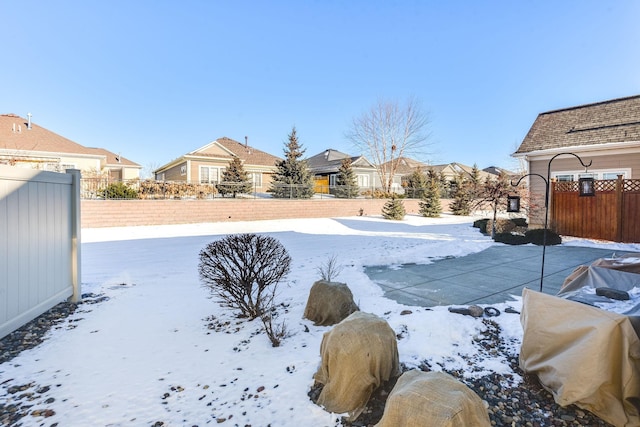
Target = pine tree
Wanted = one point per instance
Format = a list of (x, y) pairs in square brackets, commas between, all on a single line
[(430, 203), (417, 183), (393, 209), (292, 179), (474, 181), (346, 181), (461, 199), (235, 180)]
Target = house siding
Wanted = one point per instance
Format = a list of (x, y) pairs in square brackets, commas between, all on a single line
[(173, 173)]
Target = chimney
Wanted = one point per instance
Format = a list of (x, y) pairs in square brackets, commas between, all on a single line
[(246, 141), (28, 121)]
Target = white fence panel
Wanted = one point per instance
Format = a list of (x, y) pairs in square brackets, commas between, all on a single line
[(39, 243)]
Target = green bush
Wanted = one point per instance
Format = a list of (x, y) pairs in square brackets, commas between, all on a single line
[(481, 224), (536, 236), (119, 190), (393, 209), (511, 239), (520, 222)]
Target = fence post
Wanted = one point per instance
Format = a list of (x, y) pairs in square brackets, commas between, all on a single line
[(619, 208), (75, 235)]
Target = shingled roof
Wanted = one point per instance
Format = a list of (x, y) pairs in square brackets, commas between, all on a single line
[(246, 153), (16, 135), (617, 120)]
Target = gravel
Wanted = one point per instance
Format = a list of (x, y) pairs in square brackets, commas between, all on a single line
[(524, 404)]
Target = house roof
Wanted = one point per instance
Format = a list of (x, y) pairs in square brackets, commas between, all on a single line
[(330, 160), (15, 134), (232, 148), (114, 159), (407, 165), (613, 121), (18, 135)]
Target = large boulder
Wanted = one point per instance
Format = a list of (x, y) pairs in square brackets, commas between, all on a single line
[(433, 399), (329, 303), (358, 355)]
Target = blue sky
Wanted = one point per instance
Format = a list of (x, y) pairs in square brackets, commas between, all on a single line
[(153, 80)]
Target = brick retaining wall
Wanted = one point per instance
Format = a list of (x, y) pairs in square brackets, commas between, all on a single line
[(120, 213)]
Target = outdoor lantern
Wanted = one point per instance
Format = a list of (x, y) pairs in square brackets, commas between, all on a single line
[(513, 203), (587, 187)]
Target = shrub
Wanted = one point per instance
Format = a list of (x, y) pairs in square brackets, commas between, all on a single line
[(244, 270), (393, 209), (330, 269), (511, 239), (520, 222), (536, 236), (119, 190), (481, 224)]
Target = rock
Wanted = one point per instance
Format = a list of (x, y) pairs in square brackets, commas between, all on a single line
[(613, 293), (476, 311)]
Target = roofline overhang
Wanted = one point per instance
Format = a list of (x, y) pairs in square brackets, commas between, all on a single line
[(611, 148), (49, 154)]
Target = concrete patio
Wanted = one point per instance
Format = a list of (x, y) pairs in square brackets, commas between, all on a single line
[(487, 277)]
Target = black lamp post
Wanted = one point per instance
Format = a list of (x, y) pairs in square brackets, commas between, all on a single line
[(586, 188)]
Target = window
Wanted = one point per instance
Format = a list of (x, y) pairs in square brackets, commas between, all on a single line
[(209, 175), (612, 175), (363, 181), (332, 180), (595, 174), (256, 179), (564, 177)]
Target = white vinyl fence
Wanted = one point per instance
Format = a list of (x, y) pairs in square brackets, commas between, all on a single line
[(39, 243)]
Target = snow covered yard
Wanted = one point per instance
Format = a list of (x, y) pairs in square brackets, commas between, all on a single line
[(161, 349)]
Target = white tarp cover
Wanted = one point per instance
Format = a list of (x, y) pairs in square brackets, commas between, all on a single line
[(582, 354)]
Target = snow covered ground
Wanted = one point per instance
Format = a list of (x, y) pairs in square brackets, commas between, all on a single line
[(162, 349)]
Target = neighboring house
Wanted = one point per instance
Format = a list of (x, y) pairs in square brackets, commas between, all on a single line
[(25, 144), (448, 170), (605, 133), (324, 167), (206, 164)]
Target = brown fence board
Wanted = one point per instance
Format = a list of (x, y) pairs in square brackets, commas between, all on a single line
[(612, 214)]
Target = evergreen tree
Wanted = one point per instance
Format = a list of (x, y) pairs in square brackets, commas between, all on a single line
[(393, 209), (417, 183), (292, 179), (474, 184), (346, 181), (235, 180), (461, 199), (430, 203)]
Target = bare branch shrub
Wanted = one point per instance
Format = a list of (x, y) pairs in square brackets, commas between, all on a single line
[(329, 269), (275, 332), (244, 270)]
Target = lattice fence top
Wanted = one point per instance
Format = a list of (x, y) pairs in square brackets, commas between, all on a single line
[(631, 185), (628, 185), (566, 186)]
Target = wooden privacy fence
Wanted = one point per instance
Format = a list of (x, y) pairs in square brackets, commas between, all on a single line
[(612, 214), (39, 243)]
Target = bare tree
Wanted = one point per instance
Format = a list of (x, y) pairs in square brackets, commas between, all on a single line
[(388, 132)]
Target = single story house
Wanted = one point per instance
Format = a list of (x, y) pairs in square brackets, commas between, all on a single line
[(325, 165), (25, 144), (206, 164), (449, 171), (606, 133)]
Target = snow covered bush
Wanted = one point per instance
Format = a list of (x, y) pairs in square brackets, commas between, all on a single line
[(244, 270)]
